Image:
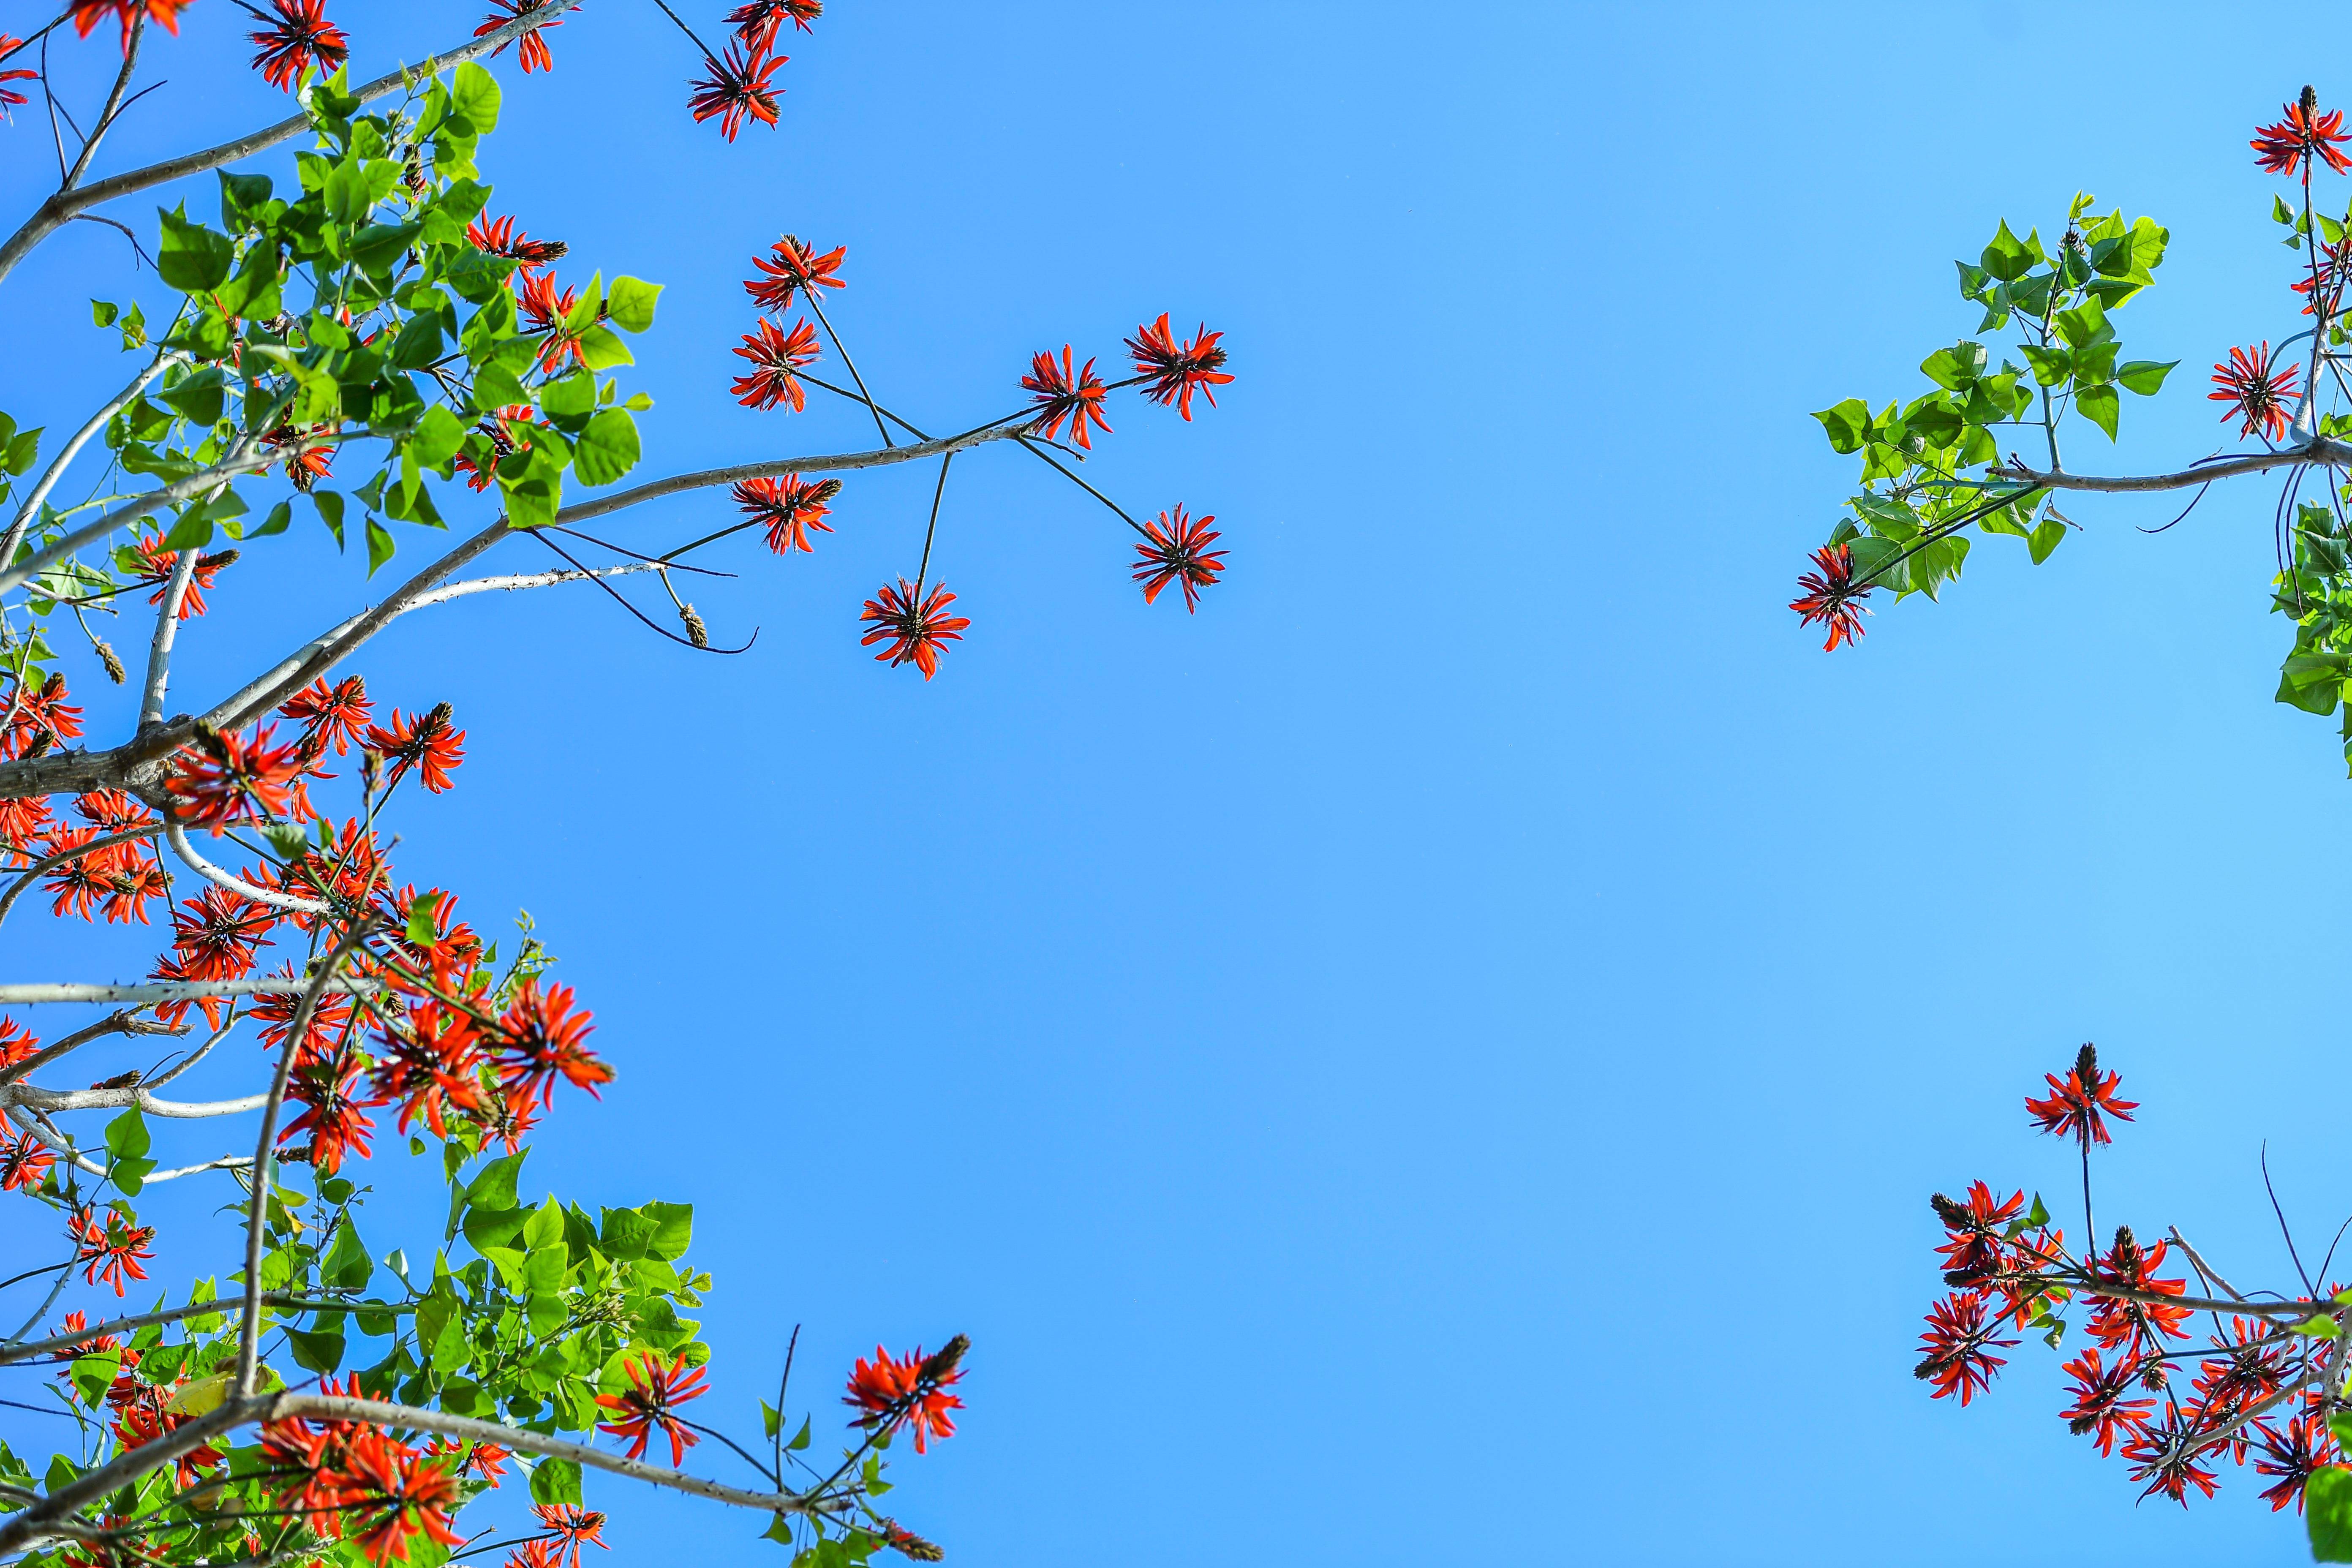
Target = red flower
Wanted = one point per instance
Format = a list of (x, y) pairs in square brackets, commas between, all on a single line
[(535, 57), (1061, 394), (489, 1461), (2293, 1456), (396, 1494), (2165, 1456), (499, 433), (24, 1163), (2115, 1320), (541, 1039), (1172, 373), (1959, 1346), (1176, 549), (2254, 392), (2100, 1408), (158, 563), (1976, 1244), (777, 355), (332, 715), (17, 1044), (216, 933), (302, 37), (311, 459), (917, 633), (757, 24), (136, 884), (791, 266), (1831, 596), (30, 721), (24, 824), (499, 237), (2079, 1102), (111, 1251), (545, 310), (913, 1391), (87, 14), (651, 1402), (432, 1064), (738, 89), (110, 809), (232, 778), (334, 1109), (573, 1527), (790, 507), (2304, 133), (79, 883), (9, 97), (330, 1020), (537, 1553), (425, 742)]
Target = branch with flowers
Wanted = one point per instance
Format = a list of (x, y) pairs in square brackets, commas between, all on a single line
[(359, 309), (1940, 471), (2267, 1382)]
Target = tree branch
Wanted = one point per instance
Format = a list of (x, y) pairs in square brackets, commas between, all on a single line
[(36, 993), (2326, 452), (61, 207), (178, 838), (72, 449)]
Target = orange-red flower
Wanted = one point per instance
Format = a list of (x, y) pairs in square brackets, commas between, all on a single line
[(2305, 133), (535, 56), (332, 715), (790, 507), (425, 742), (791, 268), (1829, 595), (2116, 1322), (216, 933), (2293, 1455), (332, 1093), (1975, 1243), (575, 1528), (157, 563), (1059, 393), (2079, 1103), (2101, 1409), (87, 14), (2165, 1456), (758, 24), (1175, 549), (27, 716), (1173, 372), (432, 1064), (9, 97), (1959, 1346), (913, 1391), (737, 89), (308, 458), (541, 1039), (301, 38), (233, 778), (776, 354), (17, 1043), (651, 1403), (111, 1251), (397, 1494), (916, 633), (2255, 392), (545, 310), (499, 237), (23, 1161)]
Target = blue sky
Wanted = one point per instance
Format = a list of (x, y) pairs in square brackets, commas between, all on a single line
[(1477, 1012)]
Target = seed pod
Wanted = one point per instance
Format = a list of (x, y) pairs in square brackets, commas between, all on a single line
[(699, 634), (106, 656)]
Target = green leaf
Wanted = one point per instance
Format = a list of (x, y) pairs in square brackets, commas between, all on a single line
[(316, 1351), (2050, 366), (127, 1133), (2009, 257), (281, 517), (801, 1441), (2044, 538), (673, 1230), (607, 448), (474, 97), (378, 247), (532, 502), (624, 1233), (493, 1186), (2084, 324), (94, 1375), (330, 512), (492, 1228), (2101, 405), (380, 545), (192, 258), (2145, 376), (2328, 1514), (347, 1265), (569, 396), (601, 348), (348, 194), (1848, 425), (555, 1481), (103, 314), (632, 303), (438, 437), (1957, 366)]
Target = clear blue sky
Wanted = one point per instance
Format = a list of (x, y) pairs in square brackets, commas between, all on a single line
[(1474, 1015)]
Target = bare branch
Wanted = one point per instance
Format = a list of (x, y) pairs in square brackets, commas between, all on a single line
[(2325, 452), (242, 459), (116, 1024), (53, 1099), (72, 449), (113, 103), (177, 837), (54, 213), (167, 630), (27, 1350), (39, 992)]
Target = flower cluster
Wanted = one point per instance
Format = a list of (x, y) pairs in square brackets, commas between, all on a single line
[(2259, 1387)]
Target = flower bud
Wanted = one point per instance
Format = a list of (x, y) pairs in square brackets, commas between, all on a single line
[(936, 1368)]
